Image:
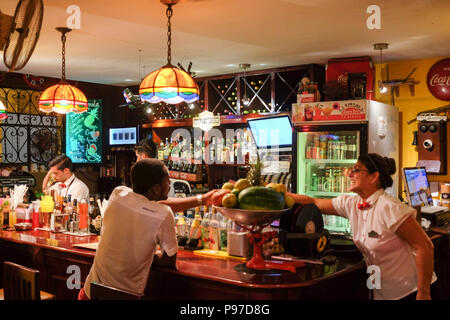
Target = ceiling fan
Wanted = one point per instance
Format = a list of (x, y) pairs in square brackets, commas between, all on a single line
[(20, 33), (394, 84)]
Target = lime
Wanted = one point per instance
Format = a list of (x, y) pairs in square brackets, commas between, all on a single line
[(235, 192)]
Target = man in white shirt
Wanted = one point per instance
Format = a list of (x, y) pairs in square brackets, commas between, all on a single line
[(66, 182), (134, 224)]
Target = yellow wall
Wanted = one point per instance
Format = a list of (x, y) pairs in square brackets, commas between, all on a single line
[(409, 105)]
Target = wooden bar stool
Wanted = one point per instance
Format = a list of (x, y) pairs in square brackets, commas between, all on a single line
[(104, 292), (21, 283)]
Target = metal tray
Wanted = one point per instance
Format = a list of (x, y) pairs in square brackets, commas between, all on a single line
[(23, 226), (251, 217)]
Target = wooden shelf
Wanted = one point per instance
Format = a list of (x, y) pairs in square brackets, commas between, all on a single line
[(228, 165), (229, 119)]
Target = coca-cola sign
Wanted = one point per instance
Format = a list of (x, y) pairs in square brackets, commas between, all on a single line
[(438, 79)]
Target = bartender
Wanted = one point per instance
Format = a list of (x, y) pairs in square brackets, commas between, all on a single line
[(61, 179), (147, 149), (385, 230)]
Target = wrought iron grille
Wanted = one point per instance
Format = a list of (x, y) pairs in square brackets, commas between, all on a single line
[(28, 136)]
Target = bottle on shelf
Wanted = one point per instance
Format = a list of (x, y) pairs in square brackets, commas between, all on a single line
[(94, 216), (161, 151), (214, 231), (195, 231), (223, 231), (204, 227), (181, 229), (167, 150)]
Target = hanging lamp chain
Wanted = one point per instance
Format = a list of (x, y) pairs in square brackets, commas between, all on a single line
[(169, 14), (63, 52)]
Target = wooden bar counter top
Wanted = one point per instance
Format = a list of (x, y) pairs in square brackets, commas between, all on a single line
[(197, 277)]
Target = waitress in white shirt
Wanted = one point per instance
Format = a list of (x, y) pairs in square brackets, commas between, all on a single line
[(385, 230)]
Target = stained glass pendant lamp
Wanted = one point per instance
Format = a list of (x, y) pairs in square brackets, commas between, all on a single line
[(62, 97), (169, 83), (3, 114)]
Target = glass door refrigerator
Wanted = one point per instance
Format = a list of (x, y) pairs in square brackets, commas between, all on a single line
[(328, 138)]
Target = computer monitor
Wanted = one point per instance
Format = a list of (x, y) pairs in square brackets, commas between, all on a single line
[(271, 132), (417, 188)]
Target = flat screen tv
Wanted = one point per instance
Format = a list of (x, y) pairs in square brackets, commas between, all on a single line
[(271, 132), (124, 136), (84, 137)]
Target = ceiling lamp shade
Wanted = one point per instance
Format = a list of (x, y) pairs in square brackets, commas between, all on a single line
[(169, 84), (62, 97)]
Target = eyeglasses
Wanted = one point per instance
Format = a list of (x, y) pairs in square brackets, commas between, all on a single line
[(356, 170)]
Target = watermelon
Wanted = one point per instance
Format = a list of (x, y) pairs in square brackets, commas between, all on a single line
[(260, 198)]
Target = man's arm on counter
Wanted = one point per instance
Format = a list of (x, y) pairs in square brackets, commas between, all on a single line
[(325, 205), (182, 204), (164, 260)]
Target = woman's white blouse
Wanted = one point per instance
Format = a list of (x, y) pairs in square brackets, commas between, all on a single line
[(374, 233)]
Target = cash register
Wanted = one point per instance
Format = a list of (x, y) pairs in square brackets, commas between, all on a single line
[(418, 194)]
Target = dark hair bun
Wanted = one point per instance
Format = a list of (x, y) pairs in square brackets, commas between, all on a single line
[(390, 165)]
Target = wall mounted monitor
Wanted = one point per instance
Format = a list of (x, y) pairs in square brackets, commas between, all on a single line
[(124, 136)]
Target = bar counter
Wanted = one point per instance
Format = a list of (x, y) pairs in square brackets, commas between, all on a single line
[(196, 277)]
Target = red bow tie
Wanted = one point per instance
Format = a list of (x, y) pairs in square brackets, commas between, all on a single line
[(364, 205), (62, 185)]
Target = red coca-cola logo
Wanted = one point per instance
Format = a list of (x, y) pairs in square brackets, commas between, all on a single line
[(438, 79)]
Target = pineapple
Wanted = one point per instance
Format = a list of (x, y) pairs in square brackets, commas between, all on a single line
[(254, 174)]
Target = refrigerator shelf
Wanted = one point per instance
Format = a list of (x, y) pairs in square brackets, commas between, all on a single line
[(347, 161), (327, 194)]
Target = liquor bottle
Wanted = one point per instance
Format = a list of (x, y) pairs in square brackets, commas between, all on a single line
[(235, 149), (204, 228), (181, 229), (214, 231), (68, 209), (161, 151), (175, 165), (94, 216), (223, 232), (166, 150), (169, 164), (6, 208), (195, 232), (212, 150)]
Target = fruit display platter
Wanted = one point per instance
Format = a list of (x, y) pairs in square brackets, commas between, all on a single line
[(251, 217), (254, 221)]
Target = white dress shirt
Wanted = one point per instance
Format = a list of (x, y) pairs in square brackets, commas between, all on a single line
[(374, 233), (132, 228), (73, 186)]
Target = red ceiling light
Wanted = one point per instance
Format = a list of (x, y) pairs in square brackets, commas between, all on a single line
[(62, 97)]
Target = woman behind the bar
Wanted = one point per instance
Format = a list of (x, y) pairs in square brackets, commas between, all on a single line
[(385, 230)]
